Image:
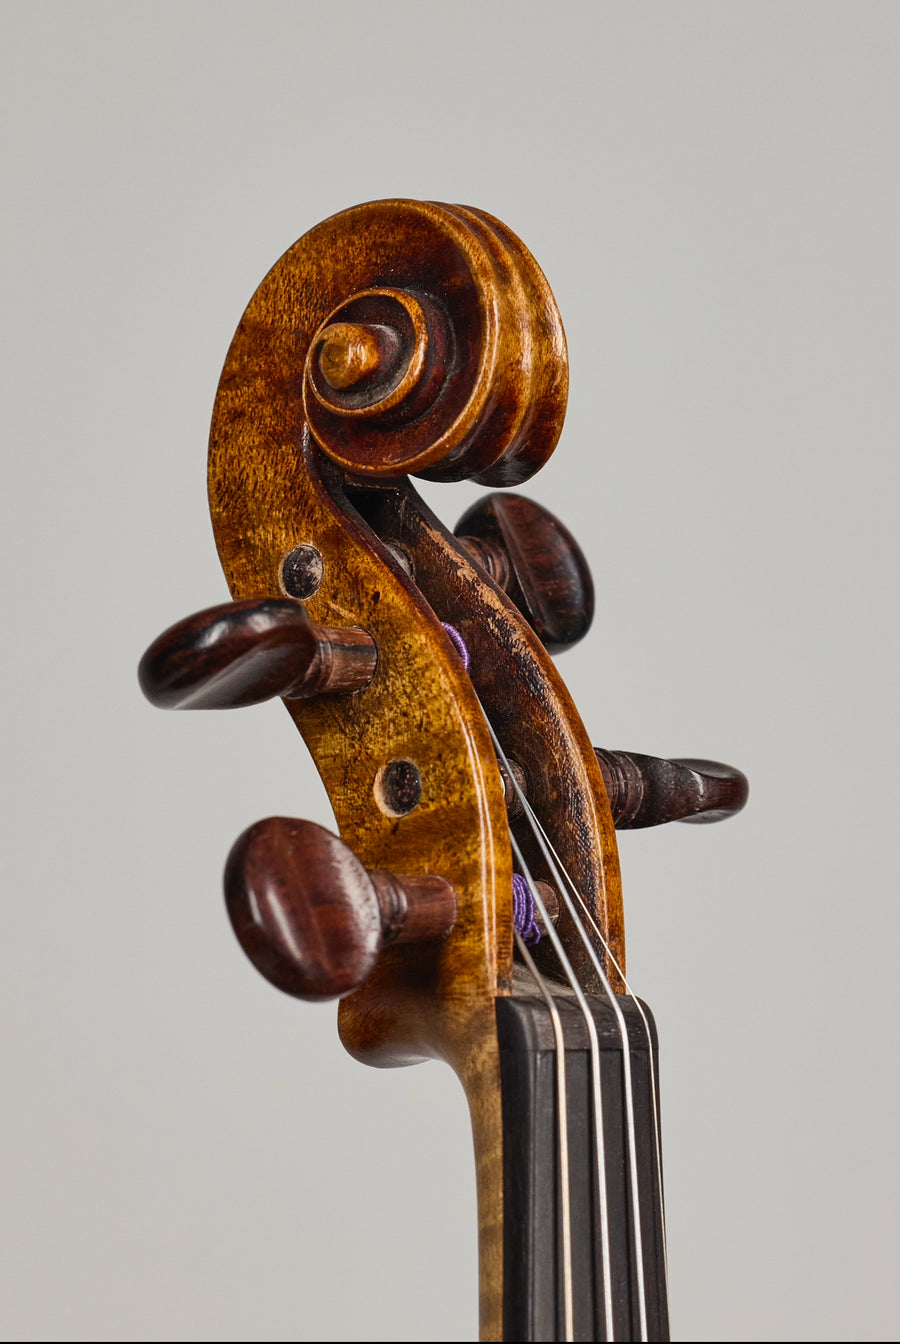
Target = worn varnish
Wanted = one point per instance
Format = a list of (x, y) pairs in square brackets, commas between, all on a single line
[(530, 708)]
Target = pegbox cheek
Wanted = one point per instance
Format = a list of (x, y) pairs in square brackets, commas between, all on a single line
[(448, 362)]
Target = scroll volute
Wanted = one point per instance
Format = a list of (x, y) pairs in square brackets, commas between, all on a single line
[(441, 352)]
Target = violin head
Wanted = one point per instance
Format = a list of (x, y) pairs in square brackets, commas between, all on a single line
[(476, 849)]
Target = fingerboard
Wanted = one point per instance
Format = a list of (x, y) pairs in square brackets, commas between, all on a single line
[(533, 1305)]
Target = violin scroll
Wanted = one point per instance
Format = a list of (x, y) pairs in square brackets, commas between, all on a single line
[(435, 348), (405, 338)]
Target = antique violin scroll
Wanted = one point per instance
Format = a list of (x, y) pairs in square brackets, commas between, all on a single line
[(469, 908)]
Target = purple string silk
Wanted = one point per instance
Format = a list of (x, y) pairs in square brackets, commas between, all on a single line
[(523, 911), (458, 643), (523, 901)]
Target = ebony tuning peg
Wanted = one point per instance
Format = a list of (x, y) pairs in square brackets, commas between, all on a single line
[(312, 919), (535, 559), (242, 653), (648, 791)]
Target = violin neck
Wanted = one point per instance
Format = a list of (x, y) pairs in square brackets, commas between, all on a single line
[(603, 1252)]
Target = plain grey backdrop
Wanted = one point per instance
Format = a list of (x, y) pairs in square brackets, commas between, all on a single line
[(712, 192)]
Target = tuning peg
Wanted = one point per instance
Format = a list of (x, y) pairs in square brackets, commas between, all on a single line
[(647, 791), (312, 919), (535, 559), (242, 653)]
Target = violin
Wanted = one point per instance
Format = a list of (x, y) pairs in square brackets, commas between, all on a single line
[(468, 907)]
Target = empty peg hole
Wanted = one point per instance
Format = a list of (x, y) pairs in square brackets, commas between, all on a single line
[(301, 572), (398, 788)]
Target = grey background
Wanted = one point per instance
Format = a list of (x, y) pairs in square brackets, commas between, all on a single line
[(712, 192)]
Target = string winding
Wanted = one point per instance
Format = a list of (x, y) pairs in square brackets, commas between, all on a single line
[(523, 911)]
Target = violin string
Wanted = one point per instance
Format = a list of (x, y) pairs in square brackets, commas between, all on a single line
[(596, 1087), (569, 972), (631, 1127), (563, 1116), (628, 1079), (657, 1129)]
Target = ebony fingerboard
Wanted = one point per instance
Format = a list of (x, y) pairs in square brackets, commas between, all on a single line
[(533, 1269)]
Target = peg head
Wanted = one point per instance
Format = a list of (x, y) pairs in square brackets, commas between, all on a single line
[(649, 791), (312, 919), (242, 653), (536, 560), (303, 908)]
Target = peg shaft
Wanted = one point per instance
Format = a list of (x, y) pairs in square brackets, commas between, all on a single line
[(242, 653)]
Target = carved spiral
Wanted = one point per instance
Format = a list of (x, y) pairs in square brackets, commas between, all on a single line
[(425, 339)]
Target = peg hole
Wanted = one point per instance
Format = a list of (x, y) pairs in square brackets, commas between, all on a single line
[(301, 572), (398, 788)]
